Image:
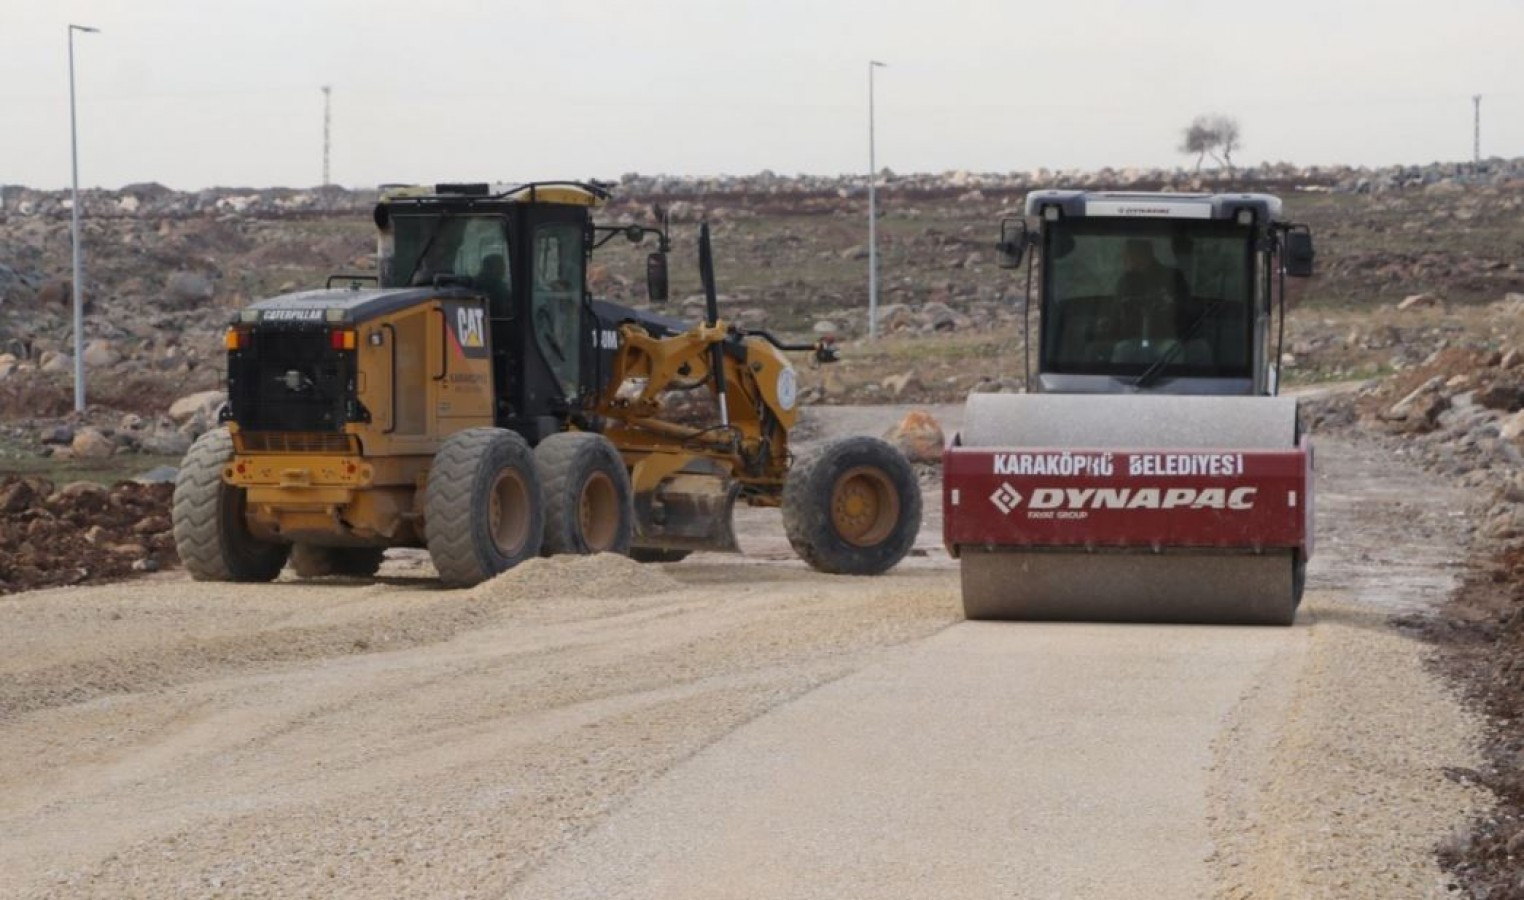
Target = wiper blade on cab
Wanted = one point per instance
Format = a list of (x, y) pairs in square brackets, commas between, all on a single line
[(427, 246), (1152, 373)]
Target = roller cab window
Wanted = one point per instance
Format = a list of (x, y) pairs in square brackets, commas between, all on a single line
[(1172, 298)]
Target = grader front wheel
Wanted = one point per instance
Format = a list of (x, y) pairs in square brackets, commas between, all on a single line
[(853, 508)]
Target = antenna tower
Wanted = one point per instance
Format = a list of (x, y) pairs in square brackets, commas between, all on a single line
[(327, 130)]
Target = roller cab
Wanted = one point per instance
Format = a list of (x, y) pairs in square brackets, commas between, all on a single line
[(1151, 474)]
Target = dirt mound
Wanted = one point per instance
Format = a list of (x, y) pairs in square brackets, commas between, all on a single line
[(1480, 636), (81, 533), (1481, 641), (606, 576)]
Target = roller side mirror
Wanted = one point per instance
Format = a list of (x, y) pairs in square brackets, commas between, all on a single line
[(1012, 248), (1298, 254)]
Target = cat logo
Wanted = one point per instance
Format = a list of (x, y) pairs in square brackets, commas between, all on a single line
[(469, 327)]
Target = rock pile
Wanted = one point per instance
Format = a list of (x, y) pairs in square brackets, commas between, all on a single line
[(973, 187), (155, 201), (919, 436), (81, 533), (1461, 414)]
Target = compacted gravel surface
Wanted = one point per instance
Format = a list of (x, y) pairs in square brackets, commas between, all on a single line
[(735, 727)]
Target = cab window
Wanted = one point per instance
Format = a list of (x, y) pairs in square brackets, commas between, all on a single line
[(1123, 296), (556, 300), (472, 246)]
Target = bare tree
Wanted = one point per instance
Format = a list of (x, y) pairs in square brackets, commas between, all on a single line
[(1197, 140), (1229, 139), (1217, 136)]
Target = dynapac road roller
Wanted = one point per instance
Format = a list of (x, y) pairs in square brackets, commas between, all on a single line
[(477, 401), (1151, 473)]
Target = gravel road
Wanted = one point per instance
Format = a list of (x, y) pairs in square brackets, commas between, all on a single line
[(734, 727)]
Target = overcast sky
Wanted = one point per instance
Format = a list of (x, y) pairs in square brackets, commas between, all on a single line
[(193, 93)]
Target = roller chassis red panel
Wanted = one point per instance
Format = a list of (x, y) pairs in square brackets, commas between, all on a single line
[(1100, 499)]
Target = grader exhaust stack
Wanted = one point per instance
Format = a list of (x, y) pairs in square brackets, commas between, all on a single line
[(1152, 475)]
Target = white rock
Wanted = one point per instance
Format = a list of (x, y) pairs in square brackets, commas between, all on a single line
[(200, 405), (53, 361), (1418, 301), (100, 354)]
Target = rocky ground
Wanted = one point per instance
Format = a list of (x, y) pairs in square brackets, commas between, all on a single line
[(166, 271), (1461, 415), (1417, 312)]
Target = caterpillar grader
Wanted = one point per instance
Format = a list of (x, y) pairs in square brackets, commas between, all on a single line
[(1151, 472), (474, 399)]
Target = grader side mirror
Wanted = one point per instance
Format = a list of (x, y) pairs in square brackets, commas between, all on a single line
[(1013, 243), (1298, 254), (656, 277)]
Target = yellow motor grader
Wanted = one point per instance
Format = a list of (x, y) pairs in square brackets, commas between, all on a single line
[(476, 400)]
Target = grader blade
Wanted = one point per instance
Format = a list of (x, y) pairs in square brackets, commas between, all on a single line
[(688, 512)]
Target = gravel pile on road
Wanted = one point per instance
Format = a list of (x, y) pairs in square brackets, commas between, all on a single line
[(605, 576), (81, 533)]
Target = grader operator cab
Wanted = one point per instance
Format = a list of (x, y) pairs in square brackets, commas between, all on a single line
[(477, 401), (1152, 474)]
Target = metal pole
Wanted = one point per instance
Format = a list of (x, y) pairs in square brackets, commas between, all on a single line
[(79, 302), (1476, 136), (872, 214)]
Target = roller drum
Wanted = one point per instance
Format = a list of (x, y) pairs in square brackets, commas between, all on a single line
[(1143, 584), (1203, 587)]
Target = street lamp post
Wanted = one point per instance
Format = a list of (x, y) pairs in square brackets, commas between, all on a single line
[(872, 214), (79, 303)]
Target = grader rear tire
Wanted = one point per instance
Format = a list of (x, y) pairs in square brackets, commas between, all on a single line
[(483, 506), (852, 508), (211, 535), (310, 561), (588, 504)]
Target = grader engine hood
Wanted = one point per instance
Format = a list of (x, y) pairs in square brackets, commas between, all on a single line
[(337, 306), (293, 360)]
